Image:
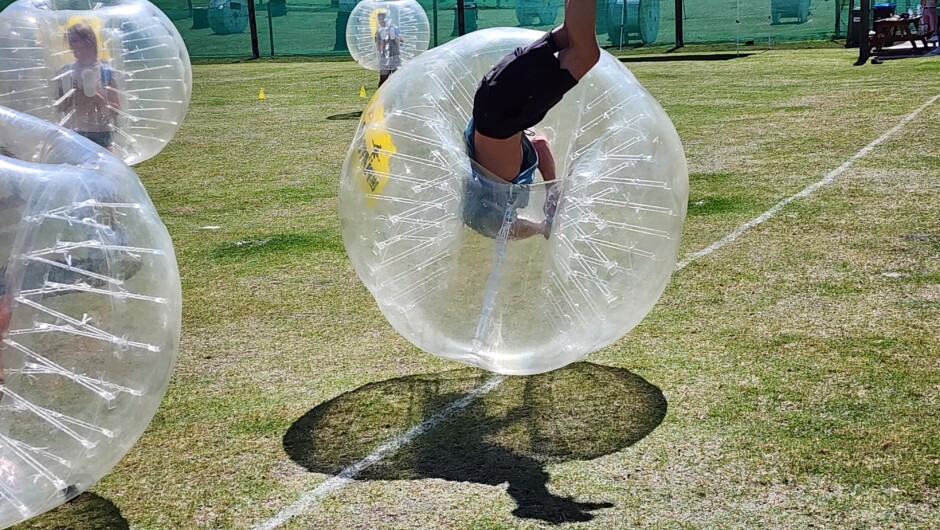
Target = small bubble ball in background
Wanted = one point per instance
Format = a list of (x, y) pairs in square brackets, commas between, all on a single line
[(407, 15)]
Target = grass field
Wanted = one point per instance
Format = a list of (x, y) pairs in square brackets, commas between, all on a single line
[(787, 380)]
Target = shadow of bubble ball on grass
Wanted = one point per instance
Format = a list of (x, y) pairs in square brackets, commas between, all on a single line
[(581, 412), (345, 116), (85, 512)]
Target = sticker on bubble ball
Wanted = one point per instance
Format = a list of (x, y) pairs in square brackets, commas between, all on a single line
[(377, 152), (374, 20)]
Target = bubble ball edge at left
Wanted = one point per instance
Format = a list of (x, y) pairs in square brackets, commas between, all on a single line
[(157, 89), (50, 163)]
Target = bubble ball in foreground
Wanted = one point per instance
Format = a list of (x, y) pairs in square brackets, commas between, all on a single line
[(364, 23), (144, 77), (89, 310), (514, 306)]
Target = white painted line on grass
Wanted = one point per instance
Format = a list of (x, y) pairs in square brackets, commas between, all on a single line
[(728, 239), (346, 476), (390, 447)]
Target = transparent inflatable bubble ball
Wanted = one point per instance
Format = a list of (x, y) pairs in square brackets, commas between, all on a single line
[(516, 279), (384, 34), (115, 71), (89, 314)]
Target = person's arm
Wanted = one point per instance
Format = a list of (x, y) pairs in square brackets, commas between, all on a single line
[(112, 96), (547, 169), (546, 158), (4, 316)]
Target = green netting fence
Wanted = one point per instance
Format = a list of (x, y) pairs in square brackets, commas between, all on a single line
[(316, 27)]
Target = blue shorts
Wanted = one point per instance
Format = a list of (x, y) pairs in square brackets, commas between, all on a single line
[(488, 198)]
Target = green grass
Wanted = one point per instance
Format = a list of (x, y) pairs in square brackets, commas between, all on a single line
[(798, 367)]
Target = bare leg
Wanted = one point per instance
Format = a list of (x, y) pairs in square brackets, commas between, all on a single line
[(546, 157), (576, 39)]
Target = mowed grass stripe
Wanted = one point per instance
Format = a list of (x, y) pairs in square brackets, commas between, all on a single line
[(805, 192)]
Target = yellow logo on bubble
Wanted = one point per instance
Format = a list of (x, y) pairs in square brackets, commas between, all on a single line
[(377, 152), (374, 19)]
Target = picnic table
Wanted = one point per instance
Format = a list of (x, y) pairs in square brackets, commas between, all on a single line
[(887, 31)]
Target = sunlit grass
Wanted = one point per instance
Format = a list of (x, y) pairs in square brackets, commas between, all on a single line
[(800, 364)]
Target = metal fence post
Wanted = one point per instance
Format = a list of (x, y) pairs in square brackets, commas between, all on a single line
[(680, 39), (434, 16), (461, 19), (270, 27), (864, 48), (253, 25)]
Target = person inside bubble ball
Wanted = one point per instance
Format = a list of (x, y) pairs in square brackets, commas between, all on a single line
[(929, 16), (88, 95), (6, 313), (388, 41), (10, 215), (513, 97)]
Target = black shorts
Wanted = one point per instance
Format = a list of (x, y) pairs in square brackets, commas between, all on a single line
[(103, 138), (519, 91)]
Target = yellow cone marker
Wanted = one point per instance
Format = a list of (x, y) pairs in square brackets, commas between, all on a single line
[(261, 94), (362, 91)]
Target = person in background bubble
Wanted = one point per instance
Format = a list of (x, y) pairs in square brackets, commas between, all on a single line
[(88, 95), (388, 41), (10, 214), (930, 19)]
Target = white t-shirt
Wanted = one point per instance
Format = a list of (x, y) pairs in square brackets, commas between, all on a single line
[(88, 114)]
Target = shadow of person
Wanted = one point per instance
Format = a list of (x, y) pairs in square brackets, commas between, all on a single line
[(471, 459), (85, 512), (506, 436)]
